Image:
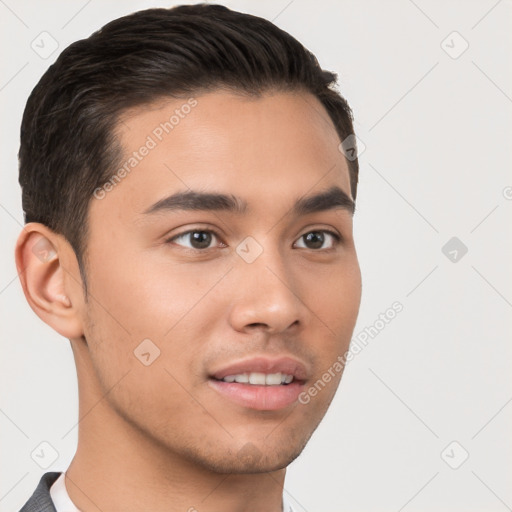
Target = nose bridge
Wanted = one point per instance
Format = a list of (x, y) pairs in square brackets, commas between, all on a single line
[(268, 294)]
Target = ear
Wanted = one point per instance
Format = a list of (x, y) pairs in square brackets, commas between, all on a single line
[(50, 278)]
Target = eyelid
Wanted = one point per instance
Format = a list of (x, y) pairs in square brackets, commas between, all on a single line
[(335, 232), (331, 231), (338, 239), (193, 230)]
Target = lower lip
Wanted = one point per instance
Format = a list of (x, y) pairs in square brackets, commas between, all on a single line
[(261, 398)]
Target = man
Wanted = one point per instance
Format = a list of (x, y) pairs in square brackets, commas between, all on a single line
[(189, 229)]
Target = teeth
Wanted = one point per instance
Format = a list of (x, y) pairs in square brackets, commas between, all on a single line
[(273, 379), (288, 379), (257, 378), (260, 379)]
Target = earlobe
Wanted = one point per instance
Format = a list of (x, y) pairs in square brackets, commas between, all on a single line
[(40, 264)]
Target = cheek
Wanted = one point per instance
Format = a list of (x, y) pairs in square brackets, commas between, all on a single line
[(334, 298), (334, 295), (137, 300), (149, 295)]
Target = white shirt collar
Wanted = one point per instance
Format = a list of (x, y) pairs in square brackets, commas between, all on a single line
[(63, 503), (60, 497)]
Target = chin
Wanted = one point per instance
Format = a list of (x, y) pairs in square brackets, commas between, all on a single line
[(251, 458)]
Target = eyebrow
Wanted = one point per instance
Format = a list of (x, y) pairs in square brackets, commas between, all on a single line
[(330, 199)]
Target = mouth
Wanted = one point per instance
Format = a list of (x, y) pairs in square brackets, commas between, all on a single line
[(261, 384), (259, 379)]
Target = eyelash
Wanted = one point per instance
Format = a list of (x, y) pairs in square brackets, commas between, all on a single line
[(336, 236)]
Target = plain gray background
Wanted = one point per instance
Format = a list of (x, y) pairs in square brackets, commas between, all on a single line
[(423, 416)]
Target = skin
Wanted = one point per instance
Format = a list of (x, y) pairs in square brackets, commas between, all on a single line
[(158, 437)]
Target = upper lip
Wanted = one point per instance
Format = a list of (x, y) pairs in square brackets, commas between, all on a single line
[(287, 365)]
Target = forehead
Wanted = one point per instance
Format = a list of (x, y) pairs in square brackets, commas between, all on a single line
[(262, 148)]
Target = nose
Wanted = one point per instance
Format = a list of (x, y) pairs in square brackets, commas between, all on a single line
[(267, 297)]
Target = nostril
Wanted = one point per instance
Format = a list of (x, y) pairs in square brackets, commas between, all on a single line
[(258, 325)]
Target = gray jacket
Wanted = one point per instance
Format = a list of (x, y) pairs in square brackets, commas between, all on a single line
[(41, 500)]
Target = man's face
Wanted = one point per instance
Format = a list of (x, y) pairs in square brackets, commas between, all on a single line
[(268, 286)]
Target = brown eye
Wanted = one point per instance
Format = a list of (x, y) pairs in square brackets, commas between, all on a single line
[(195, 239), (316, 239)]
